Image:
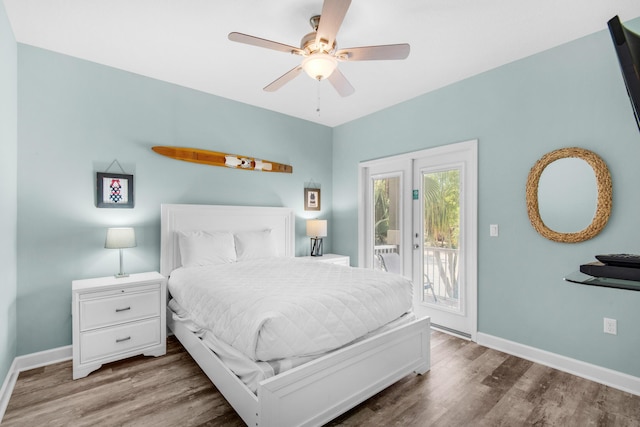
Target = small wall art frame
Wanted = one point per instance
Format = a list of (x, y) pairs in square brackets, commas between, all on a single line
[(311, 199), (114, 190)]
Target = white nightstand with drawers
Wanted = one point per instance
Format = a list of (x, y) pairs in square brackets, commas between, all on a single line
[(116, 318), (331, 258)]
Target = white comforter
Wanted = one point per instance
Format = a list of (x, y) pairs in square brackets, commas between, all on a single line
[(275, 308)]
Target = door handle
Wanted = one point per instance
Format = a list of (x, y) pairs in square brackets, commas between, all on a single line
[(416, 246)]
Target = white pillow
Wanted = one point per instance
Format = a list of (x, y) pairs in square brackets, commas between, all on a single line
[(198, 248), (255, 244)]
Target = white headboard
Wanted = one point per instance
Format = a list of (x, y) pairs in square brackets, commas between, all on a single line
[(221, 218)]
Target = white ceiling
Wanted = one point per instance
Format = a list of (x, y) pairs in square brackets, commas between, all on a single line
[(185, 42)]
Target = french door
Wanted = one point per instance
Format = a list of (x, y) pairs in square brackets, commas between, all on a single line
[(418, 218), (445, 223)]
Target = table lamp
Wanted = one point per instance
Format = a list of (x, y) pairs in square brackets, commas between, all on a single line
[(120, 238), (316, 229)]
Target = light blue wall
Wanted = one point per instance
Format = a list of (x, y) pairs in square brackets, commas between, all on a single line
[(8, 189), (572, 95), (76, 117)]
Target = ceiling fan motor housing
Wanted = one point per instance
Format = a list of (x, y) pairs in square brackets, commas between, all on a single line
[(309, 45)]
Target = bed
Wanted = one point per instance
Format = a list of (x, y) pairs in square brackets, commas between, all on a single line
[(314, 392)]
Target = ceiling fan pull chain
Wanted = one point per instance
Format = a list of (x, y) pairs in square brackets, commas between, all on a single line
[(318, 107)]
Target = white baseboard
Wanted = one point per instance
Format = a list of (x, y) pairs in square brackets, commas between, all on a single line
[(43, 358), (609, 377), (26, 362), (7, 388)]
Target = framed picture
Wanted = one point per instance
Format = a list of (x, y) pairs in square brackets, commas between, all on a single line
[(311, 199), (114, 190)]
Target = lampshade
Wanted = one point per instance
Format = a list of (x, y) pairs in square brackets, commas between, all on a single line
[(316, 227), (319, 66), (118, 238)]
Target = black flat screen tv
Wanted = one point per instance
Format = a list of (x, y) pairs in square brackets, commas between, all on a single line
[(627, 44)]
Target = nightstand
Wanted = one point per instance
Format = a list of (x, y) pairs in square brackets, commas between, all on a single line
[(116, 318), (330, 258)]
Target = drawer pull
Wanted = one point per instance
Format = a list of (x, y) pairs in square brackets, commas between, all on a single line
[(118, 310), (123, 339)]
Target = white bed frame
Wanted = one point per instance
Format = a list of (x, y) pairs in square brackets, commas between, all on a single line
[(318, 391)]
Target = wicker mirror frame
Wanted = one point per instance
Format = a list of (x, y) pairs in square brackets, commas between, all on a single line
[(603, 208)]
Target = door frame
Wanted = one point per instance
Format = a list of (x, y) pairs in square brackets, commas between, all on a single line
[(471, 215)]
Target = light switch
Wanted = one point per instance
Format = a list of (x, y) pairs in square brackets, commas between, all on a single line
[(493, 230)]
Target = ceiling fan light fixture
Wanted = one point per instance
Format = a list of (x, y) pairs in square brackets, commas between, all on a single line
[(320, 65)]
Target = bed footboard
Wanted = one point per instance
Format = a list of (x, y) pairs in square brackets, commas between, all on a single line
[(319, 391)]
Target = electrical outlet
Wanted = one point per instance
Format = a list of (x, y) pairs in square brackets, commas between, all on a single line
[(610, 326), (493, 230)]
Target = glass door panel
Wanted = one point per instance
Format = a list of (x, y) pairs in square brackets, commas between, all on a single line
[(387, 221), (441, 231)]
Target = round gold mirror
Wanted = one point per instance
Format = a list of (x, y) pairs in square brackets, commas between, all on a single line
[(603, 195)]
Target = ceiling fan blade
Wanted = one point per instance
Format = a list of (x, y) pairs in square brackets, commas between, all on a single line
[(333, 13), (367, 53), (268, 44), (283, 79), (340, 83)]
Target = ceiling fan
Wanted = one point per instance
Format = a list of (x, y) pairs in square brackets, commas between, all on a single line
[(319, 50)]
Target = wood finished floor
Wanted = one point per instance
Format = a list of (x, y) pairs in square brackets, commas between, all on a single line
[(468, 385)]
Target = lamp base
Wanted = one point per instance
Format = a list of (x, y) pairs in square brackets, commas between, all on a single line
[(122, 273), (316, 246)]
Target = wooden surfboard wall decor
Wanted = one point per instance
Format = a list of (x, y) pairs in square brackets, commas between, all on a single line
[(215, 158)]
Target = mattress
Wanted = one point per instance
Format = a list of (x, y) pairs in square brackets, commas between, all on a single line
[(274, 308), (264, 316), (252, 372)]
